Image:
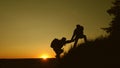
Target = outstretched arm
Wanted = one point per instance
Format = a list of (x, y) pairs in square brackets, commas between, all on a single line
[(73, 35), (69, 41)]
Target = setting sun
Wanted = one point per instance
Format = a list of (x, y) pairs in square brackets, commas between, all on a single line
[(44, 56)]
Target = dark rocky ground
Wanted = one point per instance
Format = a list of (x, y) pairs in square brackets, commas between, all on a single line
[(28, 63)]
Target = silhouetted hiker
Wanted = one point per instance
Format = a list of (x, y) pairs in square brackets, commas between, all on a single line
[(77, 34), (58, 44)]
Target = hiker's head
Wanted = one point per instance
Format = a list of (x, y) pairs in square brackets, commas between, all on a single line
[(63, 39), (78, 25)]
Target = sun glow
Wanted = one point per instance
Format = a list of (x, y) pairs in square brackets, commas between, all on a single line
[(44, 56)]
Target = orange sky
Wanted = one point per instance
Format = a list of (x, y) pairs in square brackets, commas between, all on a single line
[(27, 27)]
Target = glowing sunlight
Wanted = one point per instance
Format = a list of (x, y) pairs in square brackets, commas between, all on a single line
[(44, 56)]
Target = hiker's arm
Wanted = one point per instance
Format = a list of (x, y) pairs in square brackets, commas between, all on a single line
[(73, 35), (69, 41)]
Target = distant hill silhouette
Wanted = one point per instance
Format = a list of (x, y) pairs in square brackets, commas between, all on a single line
[(28, 63), (98, 53)]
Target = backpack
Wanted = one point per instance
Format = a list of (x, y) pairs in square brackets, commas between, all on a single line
[(54, 43)]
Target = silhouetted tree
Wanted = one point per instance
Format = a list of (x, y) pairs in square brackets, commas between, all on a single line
[(114, 29)]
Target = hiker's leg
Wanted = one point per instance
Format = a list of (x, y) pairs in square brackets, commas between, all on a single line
[(58, 56), (55, 50), (76, 40), (61, 51), (57, 53), (85, 38)]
